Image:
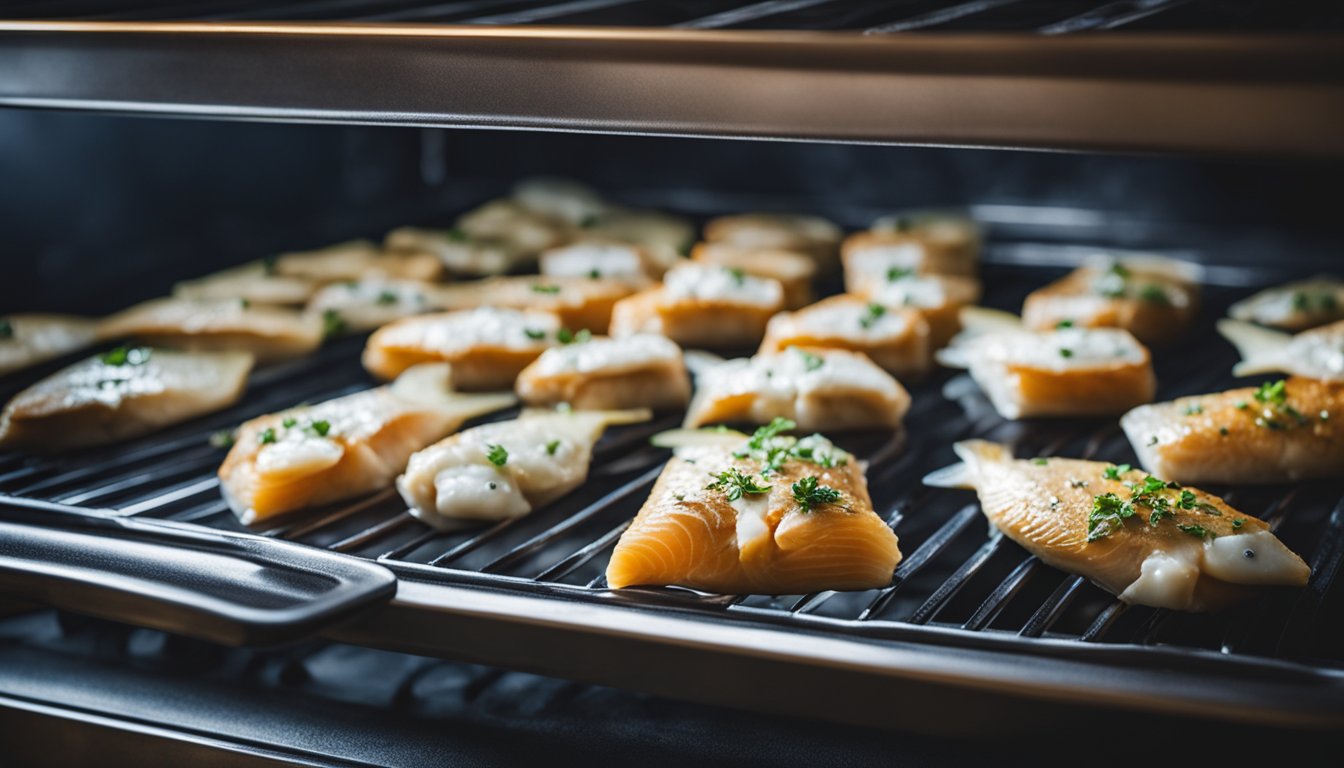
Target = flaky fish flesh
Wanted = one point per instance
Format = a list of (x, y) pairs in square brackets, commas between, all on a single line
[(699, 305), (607, 374), (356, 444), (794, 271), (268, 332), (505, 469), (829, 389), (1148, 541), (1154, 298), (123, 393), (579, 302), (601, 260), (487, 347), (1317, 353), (29, 339), (256, 282), (765, 515), (1294, 306), (365, 304), (895, 338), (357, 260), (813, 235), (1278, 432)]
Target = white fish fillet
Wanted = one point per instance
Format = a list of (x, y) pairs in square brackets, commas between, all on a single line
[(371, 302), (356, 260), (29, 339), (268, 332), (505, 469), (121, 394), (608, 374), (1294, 306), (1317, 353), (255, 282)]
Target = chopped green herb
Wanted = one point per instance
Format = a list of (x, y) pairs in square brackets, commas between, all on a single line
[(387, 297), (533, 333), (679, 496), (551, 447), (127, 356), (1152, 440), (332, 323), (594, 274), (871, 315), (1187, 500), (764, 434), (739, 276), (319, 427), (1222, 431), (244, 303), (1040, 462), (1194, 410), (1114, 472), (1242, 405), (1065, 352), (268, 264), (811, 362), (1198, 531), (898, 273), (545, 288), (1272, 393), (289, 422), (1157, 513), (1062, 324), (222, 438), (588, 221), (735, 485), (266, 436), (1108, 515), (1153, 294), (496, 454), (566, 336), (457, 235), (1236, 524), (808, 494), (1329, 302), (1300, 301), (1151, 485)]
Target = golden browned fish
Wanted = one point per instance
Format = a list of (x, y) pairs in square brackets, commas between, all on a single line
[(606, 374), (487, 347), (1278, 432), (352, 445), (939, 298), (597, 259), (120, 394), (268, 332), (355, 260), (702, 306), (951, 238), (829, 389), (1294, 306), (895, 338), (29, 339), (664, 237), (1317, 353), (1148, 541), (792, 269), (765, 515), (579, 302), (256, 282), (505, 469), (812, 235), (1062, 372), (1156, 299), (370, 302)]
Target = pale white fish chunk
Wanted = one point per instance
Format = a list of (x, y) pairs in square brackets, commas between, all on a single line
[(372, 301), (606, 373), (1294, 306), (1316, 354), (29, 339), (255, 282), (268, 332)]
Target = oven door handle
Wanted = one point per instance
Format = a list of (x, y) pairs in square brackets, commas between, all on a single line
[(222, 586)]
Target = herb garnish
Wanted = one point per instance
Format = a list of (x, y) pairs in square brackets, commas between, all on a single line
[(1197, 531), (1153, 294), (1065, 352), (1114, 472), (811, 362), (899, 273), (734, 484), (594, 274), (1194, 410), (6, 328), (127, 356), (1108, 515), (268, 264), (332, 323), (319, 427), (1062, 324), (566, 336), (266, 436), (1040, 462), (1236, 524), (386, 298), (739, 276), (551, 447), (1274, 397), (496, 454), (457, 235), (533, 333), (547, 289), (808, 494), (871, 315), (289, 421)]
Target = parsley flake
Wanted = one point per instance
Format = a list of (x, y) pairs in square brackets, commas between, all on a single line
[(739, 276), (1236, 524), (386, 298), (735, 485), (1108, 515), (809, 494), (1062, 324), (899, 273), (6, 328), (551, 447), (871, 315), (811, 362), (566, 336), (319, 427), (496, 454), (544, 288), (332, 323), (534, 334), (1114, 472), (288, 422), (127, 356), (1198, 531), (266, 436)]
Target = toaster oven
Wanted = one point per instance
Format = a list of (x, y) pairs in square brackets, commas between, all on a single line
[(146, 143)]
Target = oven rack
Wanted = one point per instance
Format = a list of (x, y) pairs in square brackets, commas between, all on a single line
[(1260, 78), (969, 620)]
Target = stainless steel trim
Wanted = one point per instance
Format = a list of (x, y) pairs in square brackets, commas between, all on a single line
[(1262, 95)]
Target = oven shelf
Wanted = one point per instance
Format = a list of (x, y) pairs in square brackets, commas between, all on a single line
[(1147, 76), (968, 620)]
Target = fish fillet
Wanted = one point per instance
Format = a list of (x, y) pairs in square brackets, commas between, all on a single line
[(370, 302), (27, 340), (270, 333), (792, 269), (1317, 353), (813, 235), (505, 469), (938, 298), (896, 339), (700, 305), (121, 394), (607, 374), (951, 238), (356, 444), (1155, 299), (487, 347), (1294, 306), (256, 282), (1149, 542), (691, 532), (356, 260), (1279, 432), (579, 302)]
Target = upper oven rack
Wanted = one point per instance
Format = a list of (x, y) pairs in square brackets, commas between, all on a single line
[(972, 634), (1265, 79)]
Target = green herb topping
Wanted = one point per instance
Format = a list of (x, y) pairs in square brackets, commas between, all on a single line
[(899, 273), (1198, 531), (1062, 324), (1114, 472), (1108, 515), (1153, 294), (266, 436), (386, 298), (288, 422), (739, 276), (1194, 410), (127, 356), (566, 336), (496, 454), (735, 485), (457, 235), (534, 334), (268, 264), (809, 495), (318, 428), (871, 315), (1236, 524), (1065, 352), (1040, 462), (332, 323), (545, 288), (811, 362), (551, 447)]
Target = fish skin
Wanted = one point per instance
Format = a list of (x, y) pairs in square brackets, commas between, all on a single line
[(1191, 447), (1045, 509), (74, 408), (693, 541)]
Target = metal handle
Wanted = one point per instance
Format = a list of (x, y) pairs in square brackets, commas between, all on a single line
[(231, 588)]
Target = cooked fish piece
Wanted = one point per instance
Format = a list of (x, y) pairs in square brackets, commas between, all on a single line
[(1063, 372), (579, 302), (487, 347), (756, 517), (702, 306), (812, 235), (355, 260), (1294, 306), (1317, 353), (29, 339), (361, 305), (459, 252), (268, 332), (1281, 431), (560, 199), (601, 373), (505, 469), (352, 445), (1147, 541), (939, 298), (598, 259), (1155, 299), (256, 282), (120, 394), (896, 339), (818, 388), (794, 271), (952, 238), (666, 238)]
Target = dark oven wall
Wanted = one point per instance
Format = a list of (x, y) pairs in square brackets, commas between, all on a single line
[(100, 211)]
